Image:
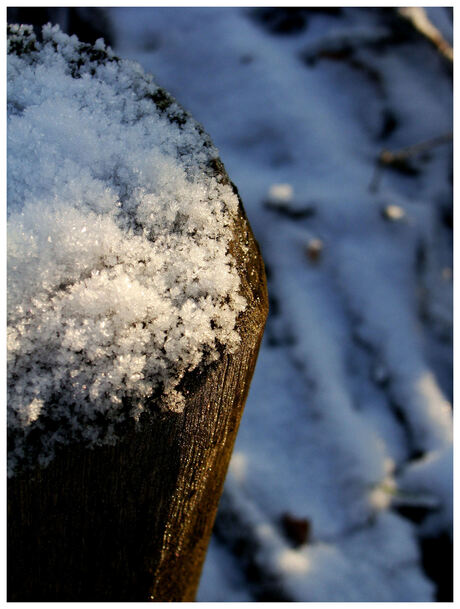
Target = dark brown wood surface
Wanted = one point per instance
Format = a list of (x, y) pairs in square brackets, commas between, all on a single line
[(132, 522)]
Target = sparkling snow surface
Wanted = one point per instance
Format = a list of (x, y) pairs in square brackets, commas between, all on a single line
[(119, 277), (349, 414)]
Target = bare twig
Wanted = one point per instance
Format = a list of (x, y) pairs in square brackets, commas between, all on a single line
[(419, 19), (398, 159), (388, 158)]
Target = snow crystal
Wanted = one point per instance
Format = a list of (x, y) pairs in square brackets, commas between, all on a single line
[(119, 275)]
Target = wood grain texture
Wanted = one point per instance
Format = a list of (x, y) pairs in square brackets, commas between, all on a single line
[(131, 522)]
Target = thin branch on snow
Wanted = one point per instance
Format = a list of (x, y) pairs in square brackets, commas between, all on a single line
[(398, 159), (419, 19)]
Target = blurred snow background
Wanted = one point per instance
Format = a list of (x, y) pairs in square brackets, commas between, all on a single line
[(340, 486)]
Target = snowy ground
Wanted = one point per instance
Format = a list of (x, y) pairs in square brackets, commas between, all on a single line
[(343, 462), (348, 422)]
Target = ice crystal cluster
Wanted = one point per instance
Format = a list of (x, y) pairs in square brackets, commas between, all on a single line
[(120, 278)]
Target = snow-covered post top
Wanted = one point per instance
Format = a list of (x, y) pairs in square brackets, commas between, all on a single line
[(120, 278), (133, 277)]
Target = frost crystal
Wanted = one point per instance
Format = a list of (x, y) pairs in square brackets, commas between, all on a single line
[(119, 275)]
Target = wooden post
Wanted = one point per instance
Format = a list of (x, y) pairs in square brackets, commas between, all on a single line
[(131, 522)]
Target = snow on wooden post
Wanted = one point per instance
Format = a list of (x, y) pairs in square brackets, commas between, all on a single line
[(136, 306)]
